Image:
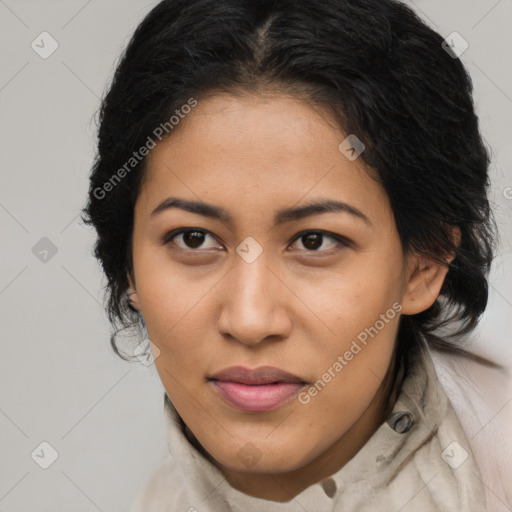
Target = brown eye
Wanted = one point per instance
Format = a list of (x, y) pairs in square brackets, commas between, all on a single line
[(193, 239), (190, 239), (318, 241), (312, 241)]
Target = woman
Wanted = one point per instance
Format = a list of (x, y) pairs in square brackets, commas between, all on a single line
[(291, 198)]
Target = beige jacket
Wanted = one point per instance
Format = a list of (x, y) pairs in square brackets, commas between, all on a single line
[(419, 460)]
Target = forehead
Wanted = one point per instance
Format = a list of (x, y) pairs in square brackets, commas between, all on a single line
[(263, 152)]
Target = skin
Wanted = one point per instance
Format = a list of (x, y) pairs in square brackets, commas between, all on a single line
[(294, 307)]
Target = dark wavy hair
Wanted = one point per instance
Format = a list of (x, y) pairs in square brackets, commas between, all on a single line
[(382, 74)]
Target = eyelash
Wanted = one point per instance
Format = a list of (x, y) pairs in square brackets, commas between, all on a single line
[(342, 241)]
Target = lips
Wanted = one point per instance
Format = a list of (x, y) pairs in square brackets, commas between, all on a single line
[(261, 375), (258, 390)]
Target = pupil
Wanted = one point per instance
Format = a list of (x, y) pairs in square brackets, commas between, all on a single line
[(312, 241), (193, 238)]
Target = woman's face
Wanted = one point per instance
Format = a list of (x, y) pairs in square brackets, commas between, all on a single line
[(269, 282)]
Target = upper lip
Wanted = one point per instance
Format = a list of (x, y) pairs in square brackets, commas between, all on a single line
[(261, 375)]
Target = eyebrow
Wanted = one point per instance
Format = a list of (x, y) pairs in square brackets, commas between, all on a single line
[(281, 216)]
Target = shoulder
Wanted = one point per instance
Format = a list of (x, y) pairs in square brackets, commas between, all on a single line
[(156, 493), (481, 395)]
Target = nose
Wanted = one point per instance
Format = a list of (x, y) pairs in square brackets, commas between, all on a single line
[(256, 305)]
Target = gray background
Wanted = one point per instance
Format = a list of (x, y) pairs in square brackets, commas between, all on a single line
[(59, 380)]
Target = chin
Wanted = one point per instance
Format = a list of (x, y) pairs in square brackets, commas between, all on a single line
[(255, 458)]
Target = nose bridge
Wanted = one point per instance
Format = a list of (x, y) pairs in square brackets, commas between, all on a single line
[(252, 282), (253, 308)]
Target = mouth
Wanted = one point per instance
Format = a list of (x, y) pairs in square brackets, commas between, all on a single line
[(262, 389)]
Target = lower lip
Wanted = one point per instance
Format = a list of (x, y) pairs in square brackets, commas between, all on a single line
[(257, 398)]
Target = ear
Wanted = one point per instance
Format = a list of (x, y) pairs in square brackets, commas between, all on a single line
[(425, 277), (132, 295)]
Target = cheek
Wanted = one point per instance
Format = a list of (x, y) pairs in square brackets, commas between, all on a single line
[(169, 294), (177, 325), (360, 317), (353, 361), (177, 310), (347, 303), (350, 373)]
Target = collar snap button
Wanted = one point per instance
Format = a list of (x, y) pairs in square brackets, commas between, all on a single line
[(401, 422), (329, 487)]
